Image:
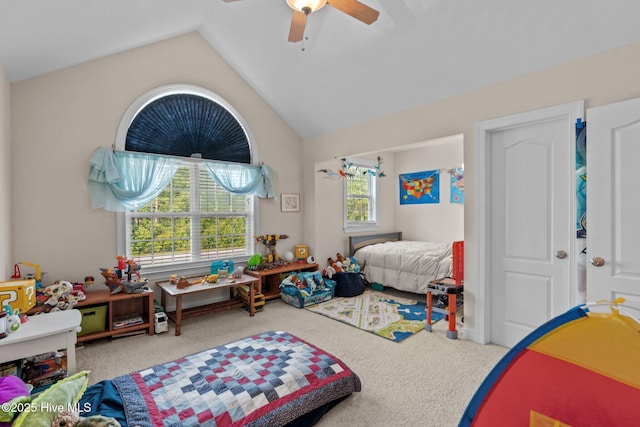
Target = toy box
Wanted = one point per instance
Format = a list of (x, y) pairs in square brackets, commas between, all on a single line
[(19, 294), (94, 319)]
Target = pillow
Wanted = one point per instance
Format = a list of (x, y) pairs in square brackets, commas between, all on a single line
[(61, 396), (13, 392)]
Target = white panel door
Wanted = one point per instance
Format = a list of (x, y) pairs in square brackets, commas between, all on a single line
[(531, 220), (613, 202)]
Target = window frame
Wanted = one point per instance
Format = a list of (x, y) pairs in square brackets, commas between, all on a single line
[(372, 223), (191, 267)]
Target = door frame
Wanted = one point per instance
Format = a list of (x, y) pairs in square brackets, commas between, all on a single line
[(571, 111)]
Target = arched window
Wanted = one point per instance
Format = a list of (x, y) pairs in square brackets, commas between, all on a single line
[(193, 220)]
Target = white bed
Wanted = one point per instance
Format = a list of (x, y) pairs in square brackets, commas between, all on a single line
[(402, 264)]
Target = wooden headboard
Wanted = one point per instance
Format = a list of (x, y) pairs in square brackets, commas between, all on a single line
[(357, 242)]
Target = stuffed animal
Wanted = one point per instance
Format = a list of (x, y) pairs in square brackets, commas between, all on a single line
[(13, 392), (328, 271), (333, 267), (350, 265), (65, 419), (72, 419), (61, 296)]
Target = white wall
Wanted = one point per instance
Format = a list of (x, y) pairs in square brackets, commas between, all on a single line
[(329, 195), (61, 118), (5, 177), (599, 79), (437, 222)]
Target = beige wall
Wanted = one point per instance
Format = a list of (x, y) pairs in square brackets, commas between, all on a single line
[(415, 221), (600, 79), (431, 222), (329, 196), (5, 177), (61, 118)]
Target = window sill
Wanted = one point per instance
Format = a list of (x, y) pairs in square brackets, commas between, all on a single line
[(185, 269), (361, 228)]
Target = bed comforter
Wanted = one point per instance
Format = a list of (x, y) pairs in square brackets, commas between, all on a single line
[(406, 265), (270, 379)]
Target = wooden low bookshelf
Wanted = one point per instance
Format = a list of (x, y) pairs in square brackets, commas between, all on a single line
[(119, 305), (116, 305), (271, 278)]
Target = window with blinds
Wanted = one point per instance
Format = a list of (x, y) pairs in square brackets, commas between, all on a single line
[(193, 219)]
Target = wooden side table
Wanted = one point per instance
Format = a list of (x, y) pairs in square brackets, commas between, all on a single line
[(43, 333), (271, 278), (169, 289)]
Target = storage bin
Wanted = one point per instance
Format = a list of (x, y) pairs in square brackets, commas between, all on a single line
[(94, 319), (19, 294)]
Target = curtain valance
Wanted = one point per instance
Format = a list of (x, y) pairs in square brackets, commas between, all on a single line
[(128, 180)]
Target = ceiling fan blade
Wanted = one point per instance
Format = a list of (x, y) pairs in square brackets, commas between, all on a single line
[(298, 22), (229, 1), (354, 8)]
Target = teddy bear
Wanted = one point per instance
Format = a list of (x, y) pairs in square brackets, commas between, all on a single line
[(72, 419), (332, 268)]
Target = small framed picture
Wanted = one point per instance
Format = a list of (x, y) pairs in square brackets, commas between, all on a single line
[(290, 202)]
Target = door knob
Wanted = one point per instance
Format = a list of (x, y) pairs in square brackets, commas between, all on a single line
[(561, 254), (597, 261)]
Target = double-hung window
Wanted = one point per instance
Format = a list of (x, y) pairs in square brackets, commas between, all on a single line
[(360, 195), (194, 220)]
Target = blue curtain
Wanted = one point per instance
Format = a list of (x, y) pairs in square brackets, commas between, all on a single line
[(240, 178), (126, 180)]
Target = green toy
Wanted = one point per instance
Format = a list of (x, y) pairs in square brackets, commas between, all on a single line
[(255, 260)]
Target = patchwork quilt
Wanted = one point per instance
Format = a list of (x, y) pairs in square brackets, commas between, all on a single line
[(268, 379)]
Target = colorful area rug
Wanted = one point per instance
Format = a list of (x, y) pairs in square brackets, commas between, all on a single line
[(392, 318)]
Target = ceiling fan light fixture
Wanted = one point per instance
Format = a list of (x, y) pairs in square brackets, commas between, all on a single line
[(310, 5)]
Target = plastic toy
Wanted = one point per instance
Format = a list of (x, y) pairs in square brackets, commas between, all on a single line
[(270, 241), (38, 275), (12, 320), (128, 268), (61, 295), (255, 260)]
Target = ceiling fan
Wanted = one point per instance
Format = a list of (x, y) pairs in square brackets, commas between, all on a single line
[(303, 8)]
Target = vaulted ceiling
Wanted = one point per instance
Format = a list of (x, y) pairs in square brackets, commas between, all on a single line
[(344, 72)]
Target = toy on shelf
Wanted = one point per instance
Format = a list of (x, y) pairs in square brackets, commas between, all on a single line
[(61, 295), (270, 241), (37, 276), (126, 269), (12, 320), (89, 280), (271, 259)]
